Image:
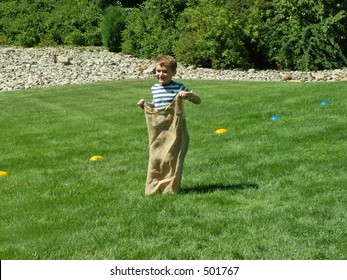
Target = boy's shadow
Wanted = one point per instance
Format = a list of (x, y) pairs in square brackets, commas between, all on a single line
[(218, 187)]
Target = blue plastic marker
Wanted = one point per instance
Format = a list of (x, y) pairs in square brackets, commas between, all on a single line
[(324, 103), (273, 118)]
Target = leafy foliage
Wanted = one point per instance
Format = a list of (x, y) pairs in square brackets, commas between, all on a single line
[(111, 28), (210, 36), (307, 34), (255, 13), (151, 29), (30, 23), (299, 35)]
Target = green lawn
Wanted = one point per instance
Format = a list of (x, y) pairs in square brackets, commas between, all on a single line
[(265, 190)]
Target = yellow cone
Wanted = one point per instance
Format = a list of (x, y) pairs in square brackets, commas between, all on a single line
[(96, 157), (4, 173), (221, 131)]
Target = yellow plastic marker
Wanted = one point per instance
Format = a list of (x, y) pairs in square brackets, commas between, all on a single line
[(221, 131), (4, 173), (96, 158)]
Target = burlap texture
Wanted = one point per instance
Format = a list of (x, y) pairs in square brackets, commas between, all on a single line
[(168, 145)]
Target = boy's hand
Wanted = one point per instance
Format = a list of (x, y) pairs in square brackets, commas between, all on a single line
[(191, 96), (141, 103), (183, 94)]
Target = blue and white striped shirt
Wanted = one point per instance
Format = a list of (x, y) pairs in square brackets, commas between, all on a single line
[(163, 95)]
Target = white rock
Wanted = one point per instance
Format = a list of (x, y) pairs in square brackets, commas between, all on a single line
[(32, 67)]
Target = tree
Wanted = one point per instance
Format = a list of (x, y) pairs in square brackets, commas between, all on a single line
[(151, 28), (30, 23), (103, 4), (307, 34), (211, 36), (112, 26)]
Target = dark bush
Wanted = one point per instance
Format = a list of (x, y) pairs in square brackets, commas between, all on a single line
[(307, 35), (211, 36), (151, 28), (31, 23), (297, 35), (112, 26)]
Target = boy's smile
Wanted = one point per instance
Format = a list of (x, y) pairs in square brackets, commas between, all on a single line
[(164, 74)]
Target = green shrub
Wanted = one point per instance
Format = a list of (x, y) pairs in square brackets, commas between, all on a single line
[(112, 26), (79, 23), (297, 35), (28, 38), (307, 35), (30, 23), (151, 28), (74, 38), (211, 36), (254, 13)]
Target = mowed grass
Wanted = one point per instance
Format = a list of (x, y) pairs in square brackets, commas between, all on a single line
[(265, 190)]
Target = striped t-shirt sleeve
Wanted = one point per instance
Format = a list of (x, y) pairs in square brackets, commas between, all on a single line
[(163, 95)]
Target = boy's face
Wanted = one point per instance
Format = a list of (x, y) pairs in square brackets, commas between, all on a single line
[(164, 74)]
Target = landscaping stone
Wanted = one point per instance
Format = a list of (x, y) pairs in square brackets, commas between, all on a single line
[(25, 68)]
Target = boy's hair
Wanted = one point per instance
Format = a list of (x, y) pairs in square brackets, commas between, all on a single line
[(168, 61)]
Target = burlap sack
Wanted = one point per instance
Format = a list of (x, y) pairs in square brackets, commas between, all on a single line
[(168, 144)]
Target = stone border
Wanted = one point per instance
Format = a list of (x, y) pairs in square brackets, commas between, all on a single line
[(25, 68)]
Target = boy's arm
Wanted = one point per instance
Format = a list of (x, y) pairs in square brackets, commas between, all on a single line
[(191, 96), (142, 103)]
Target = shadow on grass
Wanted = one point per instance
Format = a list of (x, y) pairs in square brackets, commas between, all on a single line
[(218, 187)]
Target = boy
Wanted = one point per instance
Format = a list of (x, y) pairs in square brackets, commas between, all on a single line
[(165, 91), (167, 130)]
